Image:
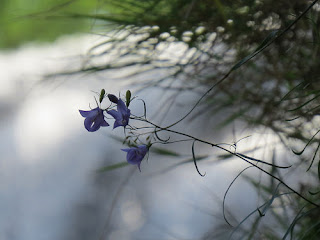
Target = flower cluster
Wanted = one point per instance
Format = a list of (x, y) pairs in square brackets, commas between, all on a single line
[(95, 118)]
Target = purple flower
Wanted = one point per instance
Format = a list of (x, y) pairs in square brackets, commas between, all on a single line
[(121, 115), (136, 154), (94, 119)]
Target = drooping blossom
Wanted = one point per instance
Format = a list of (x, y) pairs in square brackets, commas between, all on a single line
[(136, 154), (121, 115), (94, 119)]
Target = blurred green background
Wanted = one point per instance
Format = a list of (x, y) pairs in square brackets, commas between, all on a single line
[(37, 20)]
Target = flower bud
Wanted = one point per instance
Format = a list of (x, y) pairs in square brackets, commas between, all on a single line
[(128, 98), (113, 98), (102, 93)]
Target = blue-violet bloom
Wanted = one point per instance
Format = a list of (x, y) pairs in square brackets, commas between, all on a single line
[(136, 154), (94, 119), (122, 114)]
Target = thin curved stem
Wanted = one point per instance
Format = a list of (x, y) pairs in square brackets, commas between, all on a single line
[(234, 154)]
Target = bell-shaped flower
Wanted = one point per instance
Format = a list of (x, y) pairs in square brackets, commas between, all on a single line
[(136, 154), (121, 115), (94, 119)]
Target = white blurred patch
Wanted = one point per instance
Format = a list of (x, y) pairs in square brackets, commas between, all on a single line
[(131, 213), (44, 122)]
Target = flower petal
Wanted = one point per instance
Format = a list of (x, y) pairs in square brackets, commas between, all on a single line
[(131, 156), (88, 122), (143, 149), (94, 119), (116, 115), (139, 166), (97, 124), (126, 149), (84, 113), (136, 154), (90, 113), (104, 123), (121, 107), (117, 124)]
